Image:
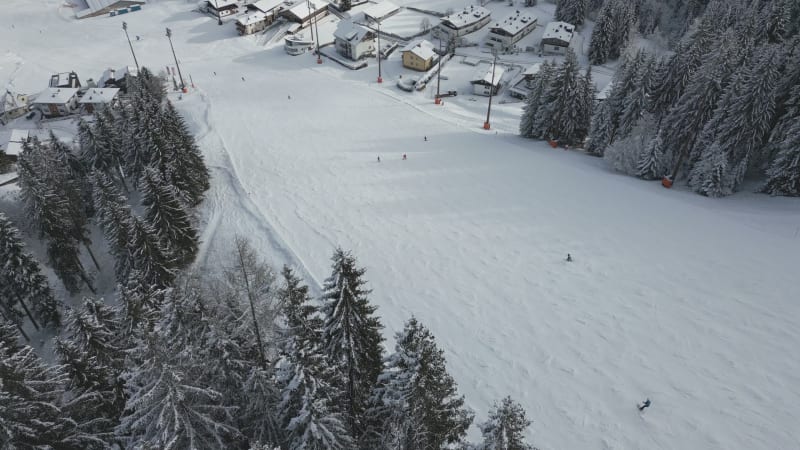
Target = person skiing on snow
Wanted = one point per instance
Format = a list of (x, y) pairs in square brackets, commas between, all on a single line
[(404, 157), (426, 138), (644, 405), (379, 159), (569, 257)]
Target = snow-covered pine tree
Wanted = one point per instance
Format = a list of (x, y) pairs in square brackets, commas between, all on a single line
[(345, 5), (152, 266), (31, 394), (538, 86), (601, 130), (302, 321), (22, 284), (168, 218), (685, 120), (184, 166), (417, 398), (146, 83), (600, 41), (167, 409), (53, 205), (571, 11), (783, 175), (625, 154), (351, 336), (612, 30), (556, 118), (740, 126), (115, 218), (651, 161), (635, 103), (505, 429), (588, 98)]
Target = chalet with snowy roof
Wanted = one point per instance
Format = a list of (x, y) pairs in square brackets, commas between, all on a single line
[(222, 8), (381, 10), (64, 80), (503, 35), (12, 105), (557, 37), (55, 102), (419, 55), (353, 41), (95, 99), (117, 78), (303, 12), (94, 8), (487, 82), (462, 23)]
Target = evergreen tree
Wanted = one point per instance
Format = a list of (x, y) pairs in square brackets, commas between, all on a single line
[(168, 218), (602, 129), (571, 11), (351, 336), (345, 5), (506, 427), (417, 398), (651, 161), (538, 86), (635, 103), (557, 117), (166, 409), (303, 323), (115, 218), (783, 175), (184, 167), (22, 283), (151, 263), (612, 30)]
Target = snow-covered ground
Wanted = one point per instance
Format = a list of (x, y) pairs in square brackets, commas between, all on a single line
[(681, 298)]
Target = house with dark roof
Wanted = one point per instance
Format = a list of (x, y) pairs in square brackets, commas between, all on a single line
[(353, 41)]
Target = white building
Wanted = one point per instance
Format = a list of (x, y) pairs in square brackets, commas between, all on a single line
[(503, 35), (19, 137), (353, 41), (97, 98), (486, 82), (462, 23), (556, 37), (96, 8), (297, 44), (380, 11), (54, 102)]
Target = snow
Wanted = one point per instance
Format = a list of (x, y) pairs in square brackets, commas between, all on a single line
[(350, 31), (55, 96), (680, 298), (255, 17), (304, 9), (561, 31), (99, 95)]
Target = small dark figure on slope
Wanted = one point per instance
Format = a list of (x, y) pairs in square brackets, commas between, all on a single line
[(645, 404), (569, 257)]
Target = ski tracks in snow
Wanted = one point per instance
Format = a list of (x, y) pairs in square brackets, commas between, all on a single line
[(228, 188)]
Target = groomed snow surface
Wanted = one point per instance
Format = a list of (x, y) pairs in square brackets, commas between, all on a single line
[(689, 301)]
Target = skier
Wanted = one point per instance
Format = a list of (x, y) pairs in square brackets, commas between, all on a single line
[(404, 157), (644, 405), (379, 159), (426, 138), (215, 73), (289, 97), (569, 257)]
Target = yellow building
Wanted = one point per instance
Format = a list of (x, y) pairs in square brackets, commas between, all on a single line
[(418, 55)]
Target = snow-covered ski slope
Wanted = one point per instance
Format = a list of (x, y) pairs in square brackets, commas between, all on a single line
[(688, 300)]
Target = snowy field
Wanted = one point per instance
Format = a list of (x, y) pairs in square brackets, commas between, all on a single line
[(681, 298)]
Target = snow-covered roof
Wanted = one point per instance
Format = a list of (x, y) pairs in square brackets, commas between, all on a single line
[(99, 95), (533, 70), (252, 18), (14, 146), (350, 31), (561, 31), (485, 77), (266, 6), (421, 48), (380, 10), (515, 22), (55, 95), (302, 10), (222, 4), (467, 17)]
